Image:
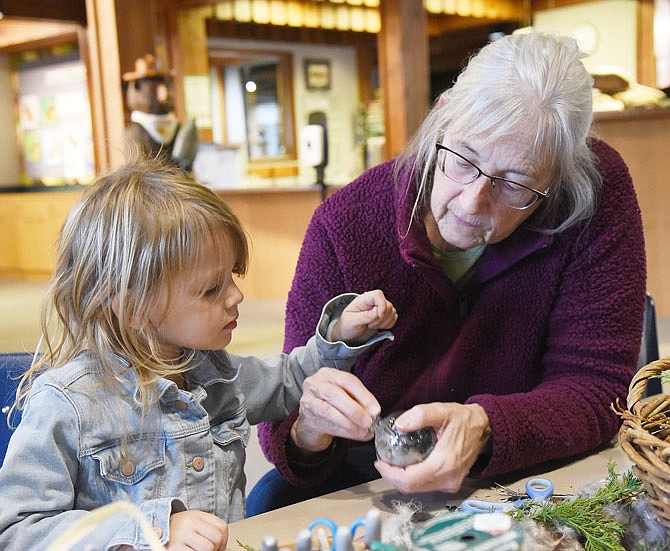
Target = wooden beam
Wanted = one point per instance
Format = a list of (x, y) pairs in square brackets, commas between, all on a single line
[(188, 49), (646, 60), (131, 16), (105, 84), (61, 10), (403, 70), (442, 24), (23, 34), (537, 5)]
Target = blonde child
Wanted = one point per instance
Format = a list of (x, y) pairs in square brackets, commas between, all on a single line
[(133, 397)]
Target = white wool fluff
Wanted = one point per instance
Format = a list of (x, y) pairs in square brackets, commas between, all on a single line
[(538, 538), (398, 528)]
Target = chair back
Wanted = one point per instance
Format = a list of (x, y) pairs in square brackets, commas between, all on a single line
[(11, 367), (649, 350)]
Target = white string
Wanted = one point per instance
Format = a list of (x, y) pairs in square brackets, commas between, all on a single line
[(83, 527)]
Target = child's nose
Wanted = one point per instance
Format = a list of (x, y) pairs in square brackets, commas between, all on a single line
[(234, 297)]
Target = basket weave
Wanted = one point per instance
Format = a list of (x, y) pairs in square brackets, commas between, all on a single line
[(645, 437)]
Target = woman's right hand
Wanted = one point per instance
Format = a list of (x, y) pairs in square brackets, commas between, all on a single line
[(197, 531), (334, 404)]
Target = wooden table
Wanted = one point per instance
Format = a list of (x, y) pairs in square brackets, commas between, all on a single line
[(345, 506)]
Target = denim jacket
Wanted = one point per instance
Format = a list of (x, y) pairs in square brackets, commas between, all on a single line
[(64, 459)]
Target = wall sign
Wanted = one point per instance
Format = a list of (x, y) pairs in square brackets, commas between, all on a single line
[(317, 74), (54, 123)]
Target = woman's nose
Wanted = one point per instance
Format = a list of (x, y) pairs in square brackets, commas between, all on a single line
[(476, 195)]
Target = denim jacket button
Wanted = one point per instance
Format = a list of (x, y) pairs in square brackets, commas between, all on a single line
[(128, 468), (198, 463)]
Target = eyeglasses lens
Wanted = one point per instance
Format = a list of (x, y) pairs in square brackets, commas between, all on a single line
[(463, 172)]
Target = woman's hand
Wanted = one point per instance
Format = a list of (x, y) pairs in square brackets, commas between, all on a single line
[(463, 432), (197, 531), (363, 317), (334, 404)]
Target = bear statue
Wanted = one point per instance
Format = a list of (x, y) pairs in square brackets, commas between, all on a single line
[(154, 128)]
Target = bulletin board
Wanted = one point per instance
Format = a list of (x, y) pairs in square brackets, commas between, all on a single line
[(54, 123)]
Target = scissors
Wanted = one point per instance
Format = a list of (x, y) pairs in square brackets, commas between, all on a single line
[(537, 489)]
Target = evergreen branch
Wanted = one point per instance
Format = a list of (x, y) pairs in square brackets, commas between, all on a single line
[(585, 514), (245, 547)]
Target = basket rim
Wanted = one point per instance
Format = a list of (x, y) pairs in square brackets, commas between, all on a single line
[(638, 384)]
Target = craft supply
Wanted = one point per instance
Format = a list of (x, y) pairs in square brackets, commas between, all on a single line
[(471, 531), (343, 539), (538, 490), (323, 539), (373, 527), (588, 515), (90, 522), (645, 437), (332, 527), (269, 543), (402, 448), (304, 540)]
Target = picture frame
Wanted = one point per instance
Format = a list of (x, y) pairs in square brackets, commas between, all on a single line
[(317, 74)]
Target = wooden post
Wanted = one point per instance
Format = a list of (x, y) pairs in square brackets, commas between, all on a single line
[(105, 84), (646, 61), (403, 69)]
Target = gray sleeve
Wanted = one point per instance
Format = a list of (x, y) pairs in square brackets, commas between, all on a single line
[(273, 386)]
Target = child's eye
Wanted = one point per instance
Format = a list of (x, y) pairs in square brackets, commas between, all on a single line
[(212, 291)]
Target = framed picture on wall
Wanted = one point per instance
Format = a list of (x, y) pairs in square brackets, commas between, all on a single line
[(317, 74)]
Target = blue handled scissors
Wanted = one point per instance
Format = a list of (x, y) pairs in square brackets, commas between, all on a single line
[(538, 489)]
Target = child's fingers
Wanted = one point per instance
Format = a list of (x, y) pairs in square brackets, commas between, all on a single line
[(377, 302), (386, 316)]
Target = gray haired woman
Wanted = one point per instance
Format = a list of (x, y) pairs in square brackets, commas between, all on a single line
[(511, 244)]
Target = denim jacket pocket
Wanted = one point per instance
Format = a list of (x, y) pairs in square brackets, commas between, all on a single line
[(142, 460), (236, 428)]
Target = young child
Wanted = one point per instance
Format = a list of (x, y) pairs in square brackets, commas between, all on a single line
[(133, 397)]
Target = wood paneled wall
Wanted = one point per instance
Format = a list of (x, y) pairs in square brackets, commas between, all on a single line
[(642, 139)]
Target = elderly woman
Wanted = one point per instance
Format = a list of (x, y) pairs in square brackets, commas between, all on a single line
[(511, 245)]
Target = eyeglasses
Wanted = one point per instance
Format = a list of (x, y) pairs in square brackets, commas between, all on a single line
[(507, 192)]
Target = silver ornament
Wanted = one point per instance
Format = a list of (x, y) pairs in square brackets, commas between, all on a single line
[(401, 448)]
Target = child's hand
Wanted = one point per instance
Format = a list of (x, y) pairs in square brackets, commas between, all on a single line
[(363, 317), (196, 530)]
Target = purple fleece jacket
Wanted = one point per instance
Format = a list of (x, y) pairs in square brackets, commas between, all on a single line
[(545, 336)]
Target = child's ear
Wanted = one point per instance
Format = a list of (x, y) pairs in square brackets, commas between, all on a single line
[(116, 307), (115, 304)]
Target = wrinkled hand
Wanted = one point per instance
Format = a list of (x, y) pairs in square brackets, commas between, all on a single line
[(334, 404), (363, 317), (462, 432), (197, 531)]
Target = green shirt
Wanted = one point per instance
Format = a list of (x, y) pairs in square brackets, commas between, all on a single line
[(458, 265)]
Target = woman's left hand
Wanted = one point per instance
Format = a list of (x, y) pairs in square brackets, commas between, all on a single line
[(462, 432)]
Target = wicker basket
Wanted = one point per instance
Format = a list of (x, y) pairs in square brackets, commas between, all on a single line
[(645, 437)]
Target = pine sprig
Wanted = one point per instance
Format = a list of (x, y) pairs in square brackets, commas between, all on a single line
[(618, 490), (585, 514), (245, 547)]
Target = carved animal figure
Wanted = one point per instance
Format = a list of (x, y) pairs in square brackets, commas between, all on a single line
[(154, 128)]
